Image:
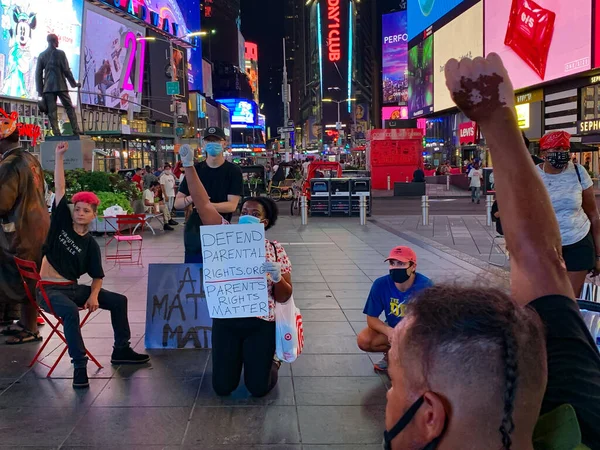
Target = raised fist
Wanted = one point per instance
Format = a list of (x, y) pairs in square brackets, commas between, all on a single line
[(480, 86), (187, 155), (62, 148)]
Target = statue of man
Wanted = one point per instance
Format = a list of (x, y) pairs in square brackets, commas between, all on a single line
[(51, 76)]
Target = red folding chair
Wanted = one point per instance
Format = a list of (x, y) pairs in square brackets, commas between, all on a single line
[(127, 240), (28, 271)]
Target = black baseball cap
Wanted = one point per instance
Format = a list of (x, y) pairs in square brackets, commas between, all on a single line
[(214, 131)]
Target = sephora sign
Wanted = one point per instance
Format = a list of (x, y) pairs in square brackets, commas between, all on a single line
[(335, 53), (536, 39)]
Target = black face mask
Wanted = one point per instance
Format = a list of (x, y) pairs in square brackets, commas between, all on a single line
[(558, 160), (399, 275), (389, 436)]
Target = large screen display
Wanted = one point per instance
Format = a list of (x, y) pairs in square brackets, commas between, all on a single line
[(242, 112), (394, 113), (461, 38), (395, 58), (25, 25), (539, 41), (424, 13), (113, 60), (420, 78)]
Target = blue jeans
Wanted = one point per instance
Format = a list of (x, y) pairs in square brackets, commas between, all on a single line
[(66, 300), (475, 193)]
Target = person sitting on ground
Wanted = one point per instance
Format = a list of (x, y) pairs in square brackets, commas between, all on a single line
[(390, 294), (247, 343), (153, 207), (69, 252), (474, 367)]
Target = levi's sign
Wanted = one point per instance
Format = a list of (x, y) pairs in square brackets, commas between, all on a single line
[(467, 133)]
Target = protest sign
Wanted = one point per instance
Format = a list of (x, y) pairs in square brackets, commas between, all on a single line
[(234, 279), (176, 312)]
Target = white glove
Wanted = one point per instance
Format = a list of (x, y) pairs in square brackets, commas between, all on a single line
[(187, 155), (273, 269)]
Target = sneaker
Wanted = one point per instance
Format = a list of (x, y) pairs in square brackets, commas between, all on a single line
[(80, 379), (381, 366), (40, 321), (168, 227), (173, 222), (128, 356)]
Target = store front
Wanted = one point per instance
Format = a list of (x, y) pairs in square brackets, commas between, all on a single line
[(530, 107)]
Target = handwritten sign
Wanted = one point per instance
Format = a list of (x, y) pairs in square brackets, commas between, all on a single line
[(234, 280), (176, 312)]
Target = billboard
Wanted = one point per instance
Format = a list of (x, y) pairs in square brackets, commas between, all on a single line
[(539, 41), (420, 78), (334, 21), (25, 25), (394, 113), (112, 69), (461, 38), (424, 13), (242, 112), (395, 58)]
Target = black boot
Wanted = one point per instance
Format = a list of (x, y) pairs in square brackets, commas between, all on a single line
[(80, 379), (128, 356)]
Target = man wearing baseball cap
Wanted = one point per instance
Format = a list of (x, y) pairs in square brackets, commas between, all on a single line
[(223, 182), (390, 294)]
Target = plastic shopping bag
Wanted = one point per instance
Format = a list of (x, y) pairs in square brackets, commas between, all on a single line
[(289, 334), (590, 292)]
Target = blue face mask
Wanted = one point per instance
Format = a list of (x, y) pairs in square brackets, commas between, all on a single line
[(247, 219), (213, 148)]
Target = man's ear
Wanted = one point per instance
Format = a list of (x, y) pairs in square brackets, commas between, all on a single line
[(431, 417)]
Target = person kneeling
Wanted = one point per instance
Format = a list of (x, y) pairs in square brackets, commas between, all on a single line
[(69, 252), (390, 293)]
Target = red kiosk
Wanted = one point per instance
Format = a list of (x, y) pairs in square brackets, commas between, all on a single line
[(397, 153)]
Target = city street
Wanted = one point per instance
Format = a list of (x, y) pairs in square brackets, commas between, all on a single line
[(330, 399)]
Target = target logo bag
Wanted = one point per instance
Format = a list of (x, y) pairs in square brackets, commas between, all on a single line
[(289, 334)]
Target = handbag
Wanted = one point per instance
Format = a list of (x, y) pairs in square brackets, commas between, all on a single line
[(289, 331)]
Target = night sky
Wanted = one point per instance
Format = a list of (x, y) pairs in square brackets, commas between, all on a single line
[(263, 24)]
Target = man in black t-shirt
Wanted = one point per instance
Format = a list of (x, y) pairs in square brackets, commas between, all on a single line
[(71, 251), (475, 367), (223, 182)]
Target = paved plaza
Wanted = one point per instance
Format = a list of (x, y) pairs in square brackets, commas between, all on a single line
[(329, 399)]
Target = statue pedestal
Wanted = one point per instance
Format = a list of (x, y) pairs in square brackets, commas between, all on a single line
[(79, 155)]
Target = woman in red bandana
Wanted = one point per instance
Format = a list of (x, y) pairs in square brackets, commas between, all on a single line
[(572, 193)]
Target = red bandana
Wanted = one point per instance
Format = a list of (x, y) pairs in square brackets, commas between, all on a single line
[(555, 139)]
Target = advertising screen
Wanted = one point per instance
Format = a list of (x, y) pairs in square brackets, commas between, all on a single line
[(539, 41), (424, 13), (395, 58), (420, 78), (25, 25), (113, 60), (394, 113), (461, 38), (242, 112)]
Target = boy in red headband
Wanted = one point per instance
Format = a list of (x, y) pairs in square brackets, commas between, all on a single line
[(71, 251)]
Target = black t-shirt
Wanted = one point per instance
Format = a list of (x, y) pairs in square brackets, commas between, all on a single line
[(69, 253), (573, 365), (219, 182)]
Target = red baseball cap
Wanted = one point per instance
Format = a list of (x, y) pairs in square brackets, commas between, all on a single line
[(403, 254)]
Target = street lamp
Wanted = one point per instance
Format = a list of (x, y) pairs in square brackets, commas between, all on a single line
[(339, 102), (173, 74)]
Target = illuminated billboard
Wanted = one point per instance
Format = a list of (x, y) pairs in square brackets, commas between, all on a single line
[(420, 78), (334, 20), (539, 41), (242, 112), (25, 26), (394, 113), (461, 38), (395, 58), (424, 13), (113, 66)]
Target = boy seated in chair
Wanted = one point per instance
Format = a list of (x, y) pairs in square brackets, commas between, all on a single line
[(69, 252)]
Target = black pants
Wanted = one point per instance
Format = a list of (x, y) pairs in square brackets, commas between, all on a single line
[(66, 300), (250, 343), (50, 98)]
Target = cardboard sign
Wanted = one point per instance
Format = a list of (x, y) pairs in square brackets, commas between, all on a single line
[(234, 279), (176, 312)]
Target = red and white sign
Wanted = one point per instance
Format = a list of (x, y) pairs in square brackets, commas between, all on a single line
[(396, 134), (467, 133)]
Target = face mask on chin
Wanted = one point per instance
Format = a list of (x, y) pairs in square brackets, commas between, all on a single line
[(389, 436), (558, 160)]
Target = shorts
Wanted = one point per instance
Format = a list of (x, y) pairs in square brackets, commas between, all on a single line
[(580, 256)]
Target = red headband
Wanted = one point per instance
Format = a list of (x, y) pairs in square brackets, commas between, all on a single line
[(555, 139)]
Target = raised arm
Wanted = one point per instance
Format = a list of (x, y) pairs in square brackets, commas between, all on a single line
[(482, 89), (59, 172), (207, 212)]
